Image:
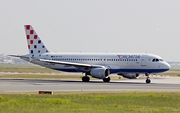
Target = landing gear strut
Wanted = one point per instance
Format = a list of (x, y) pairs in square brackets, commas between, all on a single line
[(107, 79), (85, 78), (148, 78)]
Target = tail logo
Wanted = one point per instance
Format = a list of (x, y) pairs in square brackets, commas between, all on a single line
[(35, 45)]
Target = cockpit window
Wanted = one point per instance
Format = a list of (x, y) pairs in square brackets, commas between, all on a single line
[(156, 60), (161, 60)]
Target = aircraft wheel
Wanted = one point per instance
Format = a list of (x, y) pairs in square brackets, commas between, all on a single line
[(107, 79), (85, 79), (148, 81)]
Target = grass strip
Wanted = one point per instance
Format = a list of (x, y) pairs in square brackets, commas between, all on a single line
[(102, 102)]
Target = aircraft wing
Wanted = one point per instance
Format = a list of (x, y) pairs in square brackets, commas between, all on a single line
[(57, 62), (69, 63)]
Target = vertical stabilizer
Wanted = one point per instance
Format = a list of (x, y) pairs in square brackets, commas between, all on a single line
[(35, 44)]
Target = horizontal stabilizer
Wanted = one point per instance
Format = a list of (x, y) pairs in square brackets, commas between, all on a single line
[(20, 56), (24, 57)]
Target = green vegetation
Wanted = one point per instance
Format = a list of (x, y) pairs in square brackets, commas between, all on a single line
[(25, 68), (89, 102)]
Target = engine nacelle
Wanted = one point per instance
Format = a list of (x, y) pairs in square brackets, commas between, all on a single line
[(99, 73), (129, 75)]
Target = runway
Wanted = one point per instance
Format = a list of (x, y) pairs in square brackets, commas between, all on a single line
[(34, 85)]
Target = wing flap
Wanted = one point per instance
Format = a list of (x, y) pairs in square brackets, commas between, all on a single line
[(66, 63), (57, 62)]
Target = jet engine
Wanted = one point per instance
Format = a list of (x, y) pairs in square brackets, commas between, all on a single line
[(99, 73), (129, 75)]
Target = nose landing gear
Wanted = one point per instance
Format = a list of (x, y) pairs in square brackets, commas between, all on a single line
[(148, 78)]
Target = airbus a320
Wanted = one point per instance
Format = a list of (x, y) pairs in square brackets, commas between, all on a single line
[(97, 65)]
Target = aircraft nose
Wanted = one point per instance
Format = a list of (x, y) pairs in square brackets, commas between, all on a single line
[(168, 66)]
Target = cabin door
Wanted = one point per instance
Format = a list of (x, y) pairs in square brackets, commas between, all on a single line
[(143, 60)]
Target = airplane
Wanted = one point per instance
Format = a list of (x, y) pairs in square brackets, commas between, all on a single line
[(96, 65)]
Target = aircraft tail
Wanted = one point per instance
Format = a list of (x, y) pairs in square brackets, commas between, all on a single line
[(35, 44)]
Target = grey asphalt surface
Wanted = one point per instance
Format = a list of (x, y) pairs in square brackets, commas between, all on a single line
[(34, 85)]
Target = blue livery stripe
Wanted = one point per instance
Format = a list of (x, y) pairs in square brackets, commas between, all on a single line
[(120, 70)]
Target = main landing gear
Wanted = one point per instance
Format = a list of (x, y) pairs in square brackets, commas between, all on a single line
[(148, 78), (85, 78), (107, 79)]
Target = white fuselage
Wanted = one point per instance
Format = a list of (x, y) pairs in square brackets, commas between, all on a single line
[(115, 62)]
